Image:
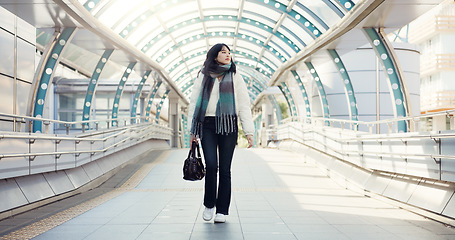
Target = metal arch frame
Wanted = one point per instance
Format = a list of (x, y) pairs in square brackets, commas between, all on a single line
[(145, 15), (254, 73), (306, 24), (253, 90), (202, 53), (334, 8), (304, 92), (87, 4), (150, 99), (253, 84), (91, 88), (229, 18), (348, 89), (50, 63), (385, 53), (186, 136), (312, 30), (313, 15), (198, 67), (188, 84), (138, 94), (344, 2), (216, 34), (321, 90), (266, 43), (158, 109), (266, 66), (281, 26), (289, 99), (119, 92), (239, 63)]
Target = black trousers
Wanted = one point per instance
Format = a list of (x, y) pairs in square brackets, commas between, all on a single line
[(218, 151)]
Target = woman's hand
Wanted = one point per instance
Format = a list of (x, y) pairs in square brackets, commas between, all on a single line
[(193, 139), (250, 140)]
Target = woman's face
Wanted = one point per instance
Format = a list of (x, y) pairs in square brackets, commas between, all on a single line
[(224, 56)]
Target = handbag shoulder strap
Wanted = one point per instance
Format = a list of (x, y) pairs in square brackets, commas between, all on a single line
[(198, 150), (194, 147)]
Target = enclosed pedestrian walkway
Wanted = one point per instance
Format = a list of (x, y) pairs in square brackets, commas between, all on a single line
[(276, 195), (354, 135)]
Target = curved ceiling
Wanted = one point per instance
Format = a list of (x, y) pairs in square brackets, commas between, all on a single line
[(177, 34)]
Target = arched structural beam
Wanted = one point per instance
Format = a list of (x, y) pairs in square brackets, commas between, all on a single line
[(160, 106), (93, 83), (148, 107), (137, 95), (386, 56), (119, 92), (91, 23), (304, 93), (349, 90), (321, 90), (49, 64), (288, 96)]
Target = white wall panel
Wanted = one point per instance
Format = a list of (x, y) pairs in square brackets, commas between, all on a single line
[(77, 176), (35, 187), (12, 196), (44, 163), (66, 161), (59, 182)]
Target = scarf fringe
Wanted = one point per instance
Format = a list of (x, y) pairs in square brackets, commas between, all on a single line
[(226, 124)]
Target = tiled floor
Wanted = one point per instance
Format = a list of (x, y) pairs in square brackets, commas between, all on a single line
[(275, 196)]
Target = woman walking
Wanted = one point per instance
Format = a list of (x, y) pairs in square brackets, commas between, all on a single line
[(219, 99)]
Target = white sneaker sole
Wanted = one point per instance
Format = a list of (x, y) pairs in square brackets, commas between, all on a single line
[(220, 219)]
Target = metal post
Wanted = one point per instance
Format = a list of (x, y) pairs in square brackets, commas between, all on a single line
[(377, 96)]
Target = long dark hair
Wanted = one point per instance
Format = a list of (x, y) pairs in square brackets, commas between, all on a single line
[(210, 65)]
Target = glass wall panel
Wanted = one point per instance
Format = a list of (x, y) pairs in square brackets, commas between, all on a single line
[(23, 92), (6, 94), (25, 60), (26, 31), (7, 20), (6, 53)]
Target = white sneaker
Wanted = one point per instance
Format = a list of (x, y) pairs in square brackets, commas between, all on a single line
[(220, 218), (208, 213)]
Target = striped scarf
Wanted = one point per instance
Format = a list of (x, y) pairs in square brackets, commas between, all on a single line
[(226, 116)]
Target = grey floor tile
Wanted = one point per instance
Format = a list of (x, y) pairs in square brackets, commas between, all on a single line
[(169, 228), (114, 232), (321, 236), (313, 228), (165, 236), (269, 236), (68, 231), (275, 196), (227, 227), (216, 235), (266, 228)]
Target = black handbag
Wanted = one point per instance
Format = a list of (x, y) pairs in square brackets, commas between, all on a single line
[(193, 168)]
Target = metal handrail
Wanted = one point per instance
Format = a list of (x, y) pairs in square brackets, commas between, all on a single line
[(378, 154), (367, 137), (447, 113), (76, 139), (428, 115), (46, 122)]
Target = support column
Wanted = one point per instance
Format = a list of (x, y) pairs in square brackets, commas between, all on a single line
[(175, 121)]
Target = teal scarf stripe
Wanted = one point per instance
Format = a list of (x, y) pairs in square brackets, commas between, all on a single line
[(225, 116)]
